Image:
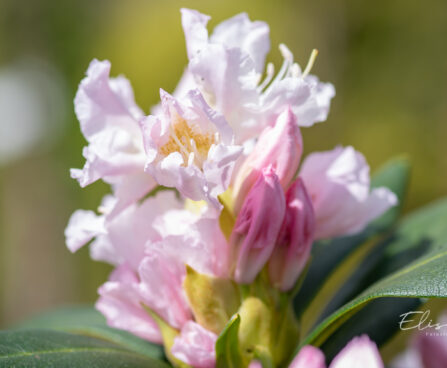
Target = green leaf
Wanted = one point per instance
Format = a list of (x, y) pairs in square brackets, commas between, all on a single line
[(83, 320), (379, 319), (46, 348), (420, 239), (228, 354), (328, 255)]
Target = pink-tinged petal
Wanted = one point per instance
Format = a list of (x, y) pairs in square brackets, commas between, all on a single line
[(82, 227), (132, 228), (289, 92), (316, 109), (218, 170), (294, 243), (227, 79), (338, 183), (255, 364), (240, 32), (195, 346), (257, 227), (108, 117), (129, 189), (194, 240), (101, 102), (120, 303), (360, 352), (194, 27), (308, 98), (309, 357), (103, 250), (189, 147), (122, 237), (281, 147), (408, 359), (161, 278)]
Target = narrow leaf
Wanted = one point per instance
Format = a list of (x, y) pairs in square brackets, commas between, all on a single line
[(228, 354)]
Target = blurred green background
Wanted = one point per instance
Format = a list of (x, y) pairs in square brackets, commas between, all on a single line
[(387, 60)]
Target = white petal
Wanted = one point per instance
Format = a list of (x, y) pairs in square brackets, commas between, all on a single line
[(82, 227)]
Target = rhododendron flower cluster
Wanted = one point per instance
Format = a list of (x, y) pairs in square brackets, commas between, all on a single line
[(213, 210)]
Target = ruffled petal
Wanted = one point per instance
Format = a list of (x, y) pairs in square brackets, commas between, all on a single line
[(195, 346), (339, 185), (120, 303), (240, 32), (161, 286), (82, 227), (108, 116)]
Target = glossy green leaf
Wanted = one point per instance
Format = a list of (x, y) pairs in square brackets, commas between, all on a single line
[(54, 349), (228, 354), (379, 320), (83, 320), (328, 255), (418, 251)]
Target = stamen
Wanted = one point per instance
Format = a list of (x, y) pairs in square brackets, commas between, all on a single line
[(310, 63), (191, 158), (286, 53), (183, 149), (288, 60), (295, 70), (269, 75), (196, 153)]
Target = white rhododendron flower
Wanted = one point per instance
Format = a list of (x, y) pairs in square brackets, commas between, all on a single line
[(190, 147)]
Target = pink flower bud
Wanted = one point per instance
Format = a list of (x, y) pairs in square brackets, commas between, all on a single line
[(295, 239), (281, 147), (309, 357), (257, 226), (359, 352)]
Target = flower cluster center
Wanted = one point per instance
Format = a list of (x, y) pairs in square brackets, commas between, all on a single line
[(190, 143)]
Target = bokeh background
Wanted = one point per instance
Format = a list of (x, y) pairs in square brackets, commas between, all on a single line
[(387, 60)]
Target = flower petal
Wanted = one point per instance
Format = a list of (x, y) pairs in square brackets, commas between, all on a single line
[(338, 183), (309, 357), (360, 352), (82, 227), (195, 346), (120, 303)]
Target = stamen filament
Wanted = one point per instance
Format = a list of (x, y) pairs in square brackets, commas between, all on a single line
[(310, 63), (269, 75)]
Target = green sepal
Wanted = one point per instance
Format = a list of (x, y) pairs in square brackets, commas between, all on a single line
[(255, 328), (168, 333), (285, 330), (212, 300)]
